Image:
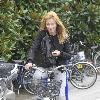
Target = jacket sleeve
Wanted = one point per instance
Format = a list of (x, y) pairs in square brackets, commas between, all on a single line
[(66, 50), (35, 46)]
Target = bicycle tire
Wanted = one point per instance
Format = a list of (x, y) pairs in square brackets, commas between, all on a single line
[(27, 81), (97, 59), (83, 77)]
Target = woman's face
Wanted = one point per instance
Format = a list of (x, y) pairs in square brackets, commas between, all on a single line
[(51, 26)]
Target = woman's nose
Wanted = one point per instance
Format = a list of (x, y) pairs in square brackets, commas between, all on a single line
[(50, 27)]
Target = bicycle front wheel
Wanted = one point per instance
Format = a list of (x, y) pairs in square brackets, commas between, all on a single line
[(83, 75)]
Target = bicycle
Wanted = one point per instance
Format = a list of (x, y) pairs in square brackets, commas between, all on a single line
[(94, 53), (95, 56), (7, 73), (82, 75)]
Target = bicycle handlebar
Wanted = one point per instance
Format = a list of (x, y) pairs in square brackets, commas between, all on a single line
[(52, 69)]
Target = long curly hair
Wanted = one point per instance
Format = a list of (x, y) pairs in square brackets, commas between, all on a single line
[(62, 32)]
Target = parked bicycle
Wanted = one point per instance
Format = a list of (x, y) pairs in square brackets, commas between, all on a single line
[(81, 78), (94, 52), (7, 73), (82, 75), (95, 55)]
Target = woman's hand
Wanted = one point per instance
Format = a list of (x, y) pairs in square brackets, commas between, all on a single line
[(28, 66), (56, 53)]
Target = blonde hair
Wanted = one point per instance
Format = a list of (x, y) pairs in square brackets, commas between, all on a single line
[(62, 33)]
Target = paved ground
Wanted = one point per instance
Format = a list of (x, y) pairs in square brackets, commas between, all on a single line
[(92, 93)]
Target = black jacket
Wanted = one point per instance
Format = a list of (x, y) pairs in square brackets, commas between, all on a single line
[(38, 52)]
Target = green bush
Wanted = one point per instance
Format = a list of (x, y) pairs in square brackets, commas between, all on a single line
[(20, 20)]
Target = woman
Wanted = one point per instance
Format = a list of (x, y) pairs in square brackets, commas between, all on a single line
[(53, 43)]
